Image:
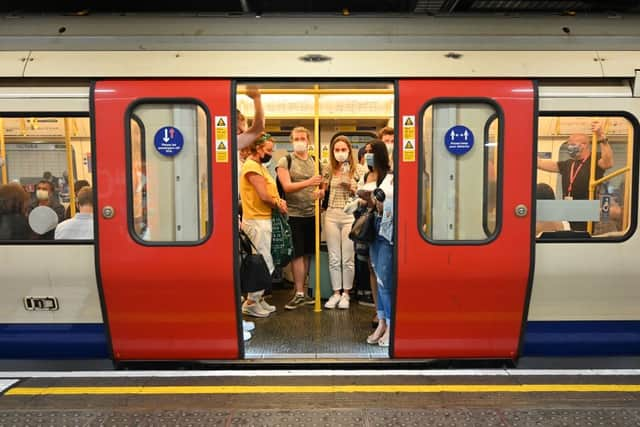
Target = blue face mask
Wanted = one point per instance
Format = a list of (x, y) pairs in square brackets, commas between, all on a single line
[(573, 150), (368, 158)]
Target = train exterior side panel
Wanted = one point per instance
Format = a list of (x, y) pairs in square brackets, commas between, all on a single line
[(64, 273), (465, 300), (165, 301)]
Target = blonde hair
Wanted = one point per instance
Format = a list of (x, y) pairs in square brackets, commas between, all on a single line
[(300, 129), (259, 141), (387, 130), (332, 157)]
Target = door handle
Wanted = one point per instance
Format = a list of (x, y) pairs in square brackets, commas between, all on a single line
[(108, 212), (521, 210)]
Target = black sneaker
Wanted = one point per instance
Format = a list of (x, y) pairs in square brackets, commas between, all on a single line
[(366, 300), (296, 301)]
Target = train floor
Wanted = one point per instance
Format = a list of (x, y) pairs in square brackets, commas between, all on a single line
[(303, 333), (327, 398)]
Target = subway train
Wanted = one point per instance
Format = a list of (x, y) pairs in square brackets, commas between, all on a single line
[(485, 267)]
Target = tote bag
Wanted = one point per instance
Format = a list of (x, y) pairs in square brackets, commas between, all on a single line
[(254, 273), (281, 240)]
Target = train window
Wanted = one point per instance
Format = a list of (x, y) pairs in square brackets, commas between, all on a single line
[(169, 172), (582, 195), (461, 144), (39, 159)]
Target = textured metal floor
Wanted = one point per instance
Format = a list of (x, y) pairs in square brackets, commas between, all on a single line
[(302, 333)]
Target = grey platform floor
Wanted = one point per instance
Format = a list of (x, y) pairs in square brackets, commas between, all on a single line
[(303, 333)]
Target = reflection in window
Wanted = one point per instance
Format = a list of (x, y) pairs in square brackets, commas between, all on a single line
[(460, 175), (169, 172), (50, 153), (581, 194)]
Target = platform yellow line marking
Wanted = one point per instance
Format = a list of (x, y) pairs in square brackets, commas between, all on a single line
[(462, 388)]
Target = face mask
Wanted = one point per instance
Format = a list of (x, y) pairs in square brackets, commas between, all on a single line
[(368, 158), (266, 158), (341, 156), (299, 146), (389, 148), (42, 195), (573, 150)]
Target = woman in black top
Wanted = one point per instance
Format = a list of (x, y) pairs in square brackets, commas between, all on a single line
[(13, 206)]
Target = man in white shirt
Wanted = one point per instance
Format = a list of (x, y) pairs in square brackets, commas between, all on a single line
[(80, 227)]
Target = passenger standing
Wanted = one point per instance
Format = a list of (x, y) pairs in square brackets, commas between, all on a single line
[(381, 249), (387, 135), (296, 173), (246, 135), (45, 197), (13, 208), (341, 178), (81, 225), (259, 196)]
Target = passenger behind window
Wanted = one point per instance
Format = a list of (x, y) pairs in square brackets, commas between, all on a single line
[(13, 207), (80, 227), (45, 196), (545, 192), (76, 188)]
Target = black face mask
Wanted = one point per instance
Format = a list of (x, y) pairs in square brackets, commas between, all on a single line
[(266, 158)]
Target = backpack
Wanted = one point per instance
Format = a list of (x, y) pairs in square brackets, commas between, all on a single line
[(281, 191)]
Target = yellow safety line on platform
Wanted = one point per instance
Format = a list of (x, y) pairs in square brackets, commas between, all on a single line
[(474, 388)]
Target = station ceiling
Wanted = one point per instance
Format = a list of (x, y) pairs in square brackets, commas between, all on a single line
[(428, 7)]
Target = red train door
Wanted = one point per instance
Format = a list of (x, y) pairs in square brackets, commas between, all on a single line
[(165, 218), (464, 238)]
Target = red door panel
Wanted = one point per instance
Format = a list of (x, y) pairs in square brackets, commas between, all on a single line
[(463, 300), (164, 302)]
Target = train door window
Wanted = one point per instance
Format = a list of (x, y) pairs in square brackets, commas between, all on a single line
[(42, 153), (169, 173), (459, 183), (578, 197)]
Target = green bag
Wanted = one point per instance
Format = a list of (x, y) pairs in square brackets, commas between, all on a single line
[(281, 240)]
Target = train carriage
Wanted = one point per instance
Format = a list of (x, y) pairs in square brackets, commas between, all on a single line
[(475, 278)]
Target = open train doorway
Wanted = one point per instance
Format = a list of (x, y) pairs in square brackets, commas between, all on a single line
[(321, 304)]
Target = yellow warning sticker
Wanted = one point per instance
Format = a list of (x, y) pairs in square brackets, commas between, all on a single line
[(408, 138), (324, 154), (222, 139)]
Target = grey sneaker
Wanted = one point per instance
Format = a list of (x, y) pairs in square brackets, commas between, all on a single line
[(296, 301)]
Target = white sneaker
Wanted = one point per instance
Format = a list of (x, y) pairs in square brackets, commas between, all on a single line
[(266, 306), (254, 310), (377, 334), (344, 301), (248, 326), (333, 300), (246, 335)]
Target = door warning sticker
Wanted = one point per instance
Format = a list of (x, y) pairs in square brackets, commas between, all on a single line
[(222, 140), (408, 139)]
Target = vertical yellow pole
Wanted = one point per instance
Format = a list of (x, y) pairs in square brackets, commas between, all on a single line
[(70, 172), (592, 174), (3, 152), (626, 197), (316, 149)]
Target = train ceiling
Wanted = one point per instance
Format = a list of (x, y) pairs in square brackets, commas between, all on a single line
[(259, 7)]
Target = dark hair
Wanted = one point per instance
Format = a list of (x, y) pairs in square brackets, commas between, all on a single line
[(380, 160), (387, 130), (361, 153), (13, 199), (49, 183), (80, 184), (544, 192)]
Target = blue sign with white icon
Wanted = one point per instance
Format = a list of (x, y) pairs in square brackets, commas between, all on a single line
[(458, 140), (168, 141)]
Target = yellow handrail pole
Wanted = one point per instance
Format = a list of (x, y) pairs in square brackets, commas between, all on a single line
[(592, 174), (626, 201), (70, 171), (3, 152), (316, 153), (608, 177)]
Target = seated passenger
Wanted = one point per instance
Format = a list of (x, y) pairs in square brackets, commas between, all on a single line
[(80, 227), (545, 192), (13, 207)]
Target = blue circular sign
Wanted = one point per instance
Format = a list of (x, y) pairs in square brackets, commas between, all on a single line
[(458, 140), (168, 141)]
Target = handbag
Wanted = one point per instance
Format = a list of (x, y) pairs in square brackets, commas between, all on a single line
[(254, 273), (363, 228), (281, 240)]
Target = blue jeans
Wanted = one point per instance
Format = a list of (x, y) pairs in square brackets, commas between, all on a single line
[(381, 253)]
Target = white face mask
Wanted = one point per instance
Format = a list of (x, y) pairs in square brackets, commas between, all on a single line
[(299, 146), (341, 156), (389, 148), (42, 195)]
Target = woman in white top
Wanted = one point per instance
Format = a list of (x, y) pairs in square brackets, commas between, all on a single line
[(340, 177)]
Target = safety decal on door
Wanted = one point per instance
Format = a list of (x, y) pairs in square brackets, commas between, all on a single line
[(222, 140), (408, 138)]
